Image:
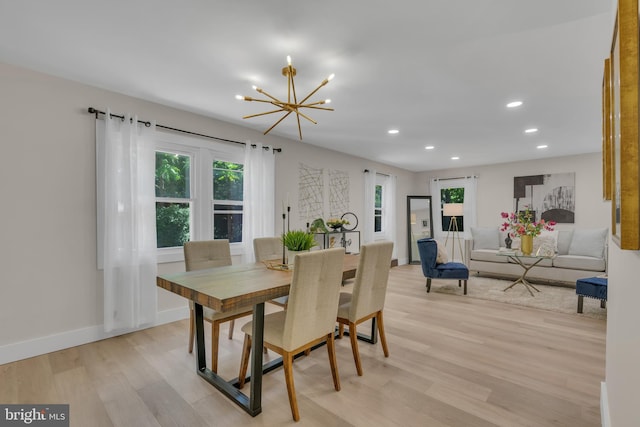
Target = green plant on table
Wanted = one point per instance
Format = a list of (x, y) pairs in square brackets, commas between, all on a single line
[(298, 240)]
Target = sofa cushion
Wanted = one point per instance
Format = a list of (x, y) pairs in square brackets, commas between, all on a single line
[(588, 242), (485, 238), (578, 262), (564, 241), (487, 255)]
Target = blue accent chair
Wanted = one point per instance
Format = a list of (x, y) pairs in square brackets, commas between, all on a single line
[(428, 249), (592, 287)]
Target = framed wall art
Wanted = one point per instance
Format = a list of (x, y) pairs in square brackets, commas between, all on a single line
[(606, 131), (625, 197)]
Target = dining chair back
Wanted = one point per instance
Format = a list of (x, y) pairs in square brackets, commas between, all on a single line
[(309, 319), (366, 301), (203, 254), (313, 298), (267, 248)]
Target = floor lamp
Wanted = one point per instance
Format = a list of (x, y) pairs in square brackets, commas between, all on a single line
[(454, 210)]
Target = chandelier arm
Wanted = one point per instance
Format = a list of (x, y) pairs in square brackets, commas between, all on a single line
[(299, 127), (306, 117), (293, 87), (324, 82), (263, 92), (276, 123), (316, 107), (274, 102), (265, 113)]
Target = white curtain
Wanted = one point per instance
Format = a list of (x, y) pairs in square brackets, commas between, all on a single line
[(369, 206), (129, 223), (389, 208), (258, 219), (470, 205), (436, 207)]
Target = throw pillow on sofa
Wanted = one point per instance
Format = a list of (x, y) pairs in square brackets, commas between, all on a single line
[(589, 242), (485, 238)]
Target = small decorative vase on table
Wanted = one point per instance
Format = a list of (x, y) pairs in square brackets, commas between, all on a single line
[(526, 244), (291, 256)]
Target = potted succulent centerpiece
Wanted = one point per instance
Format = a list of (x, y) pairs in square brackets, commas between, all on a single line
[(297, 241)]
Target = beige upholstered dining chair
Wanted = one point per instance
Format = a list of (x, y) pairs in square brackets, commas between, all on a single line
[(367, 299), (309, 319), (266, 249), (199, 255)]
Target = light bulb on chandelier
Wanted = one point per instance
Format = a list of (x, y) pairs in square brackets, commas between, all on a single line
[(291, 105)]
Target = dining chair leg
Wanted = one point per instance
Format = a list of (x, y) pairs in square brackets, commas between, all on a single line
[(244, 360), (465, 287), (331, 349), (192, 331), (215, 338), (383, 338), (340, 330), (428, 284), (231, 325), (353, 337), (287, 363)]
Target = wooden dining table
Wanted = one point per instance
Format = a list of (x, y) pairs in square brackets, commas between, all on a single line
[(227, 288)]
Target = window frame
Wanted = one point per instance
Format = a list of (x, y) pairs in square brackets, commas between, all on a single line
[(203, 152)]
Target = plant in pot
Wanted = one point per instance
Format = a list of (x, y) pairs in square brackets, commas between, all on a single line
[(297, 241)]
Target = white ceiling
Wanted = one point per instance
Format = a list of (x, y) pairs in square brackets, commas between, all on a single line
[(440, 71)]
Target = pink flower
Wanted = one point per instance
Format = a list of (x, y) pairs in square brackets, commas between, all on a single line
[(522, 224)]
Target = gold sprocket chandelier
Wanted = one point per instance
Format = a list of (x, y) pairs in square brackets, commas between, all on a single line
[(291, 105)]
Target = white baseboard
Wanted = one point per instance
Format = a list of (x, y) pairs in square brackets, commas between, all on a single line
[(604, 406), (35, 347)]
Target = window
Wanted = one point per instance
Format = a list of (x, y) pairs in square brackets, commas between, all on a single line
[(199, 193), (227, 201), (447, 196), (173, 199), (377, 216)]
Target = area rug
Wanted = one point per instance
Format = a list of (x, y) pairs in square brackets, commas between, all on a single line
[(554, 298)]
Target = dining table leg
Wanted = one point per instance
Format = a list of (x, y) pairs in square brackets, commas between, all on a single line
[(253, 403), (256, 358)]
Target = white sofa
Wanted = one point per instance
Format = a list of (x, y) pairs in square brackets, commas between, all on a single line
[(579, 253)]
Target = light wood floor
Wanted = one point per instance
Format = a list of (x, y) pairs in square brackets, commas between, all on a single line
[(454, 361)]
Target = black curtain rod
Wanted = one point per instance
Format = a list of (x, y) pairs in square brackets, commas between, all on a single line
[(377, 173), (92, 110), (455, 177)]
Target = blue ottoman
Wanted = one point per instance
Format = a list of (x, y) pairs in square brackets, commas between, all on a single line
[(592, 287)]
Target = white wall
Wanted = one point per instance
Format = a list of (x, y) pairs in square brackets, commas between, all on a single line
[(51, 291), (495, 187)]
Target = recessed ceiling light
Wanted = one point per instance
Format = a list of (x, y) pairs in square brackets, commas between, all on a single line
[(541, 147), (393, 131), (429, 147), (514, 104), (455, 158), (531, 130)]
